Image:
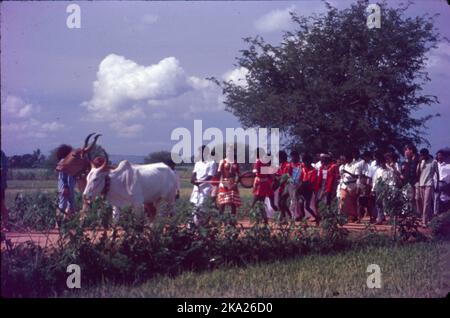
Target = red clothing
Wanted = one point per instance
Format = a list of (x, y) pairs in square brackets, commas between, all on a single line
[(263, 182), (331, 178), (309, 174), (228, 190)]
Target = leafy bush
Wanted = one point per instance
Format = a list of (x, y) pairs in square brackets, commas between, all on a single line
[(33, 211), (440, 226), (396, 203), (133, 250)]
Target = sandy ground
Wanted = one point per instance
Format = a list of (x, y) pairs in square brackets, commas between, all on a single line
[(50, 238)]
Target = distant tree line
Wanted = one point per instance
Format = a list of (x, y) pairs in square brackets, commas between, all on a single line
[(33, 160), (39, 160)]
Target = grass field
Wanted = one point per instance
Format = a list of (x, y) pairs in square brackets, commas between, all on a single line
[(406, 271)]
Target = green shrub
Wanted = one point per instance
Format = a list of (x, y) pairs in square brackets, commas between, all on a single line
[(440, 226), (397, 205), (33, 211), (133, 251)]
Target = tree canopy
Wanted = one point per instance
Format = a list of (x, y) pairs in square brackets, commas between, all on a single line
[(333, 84)]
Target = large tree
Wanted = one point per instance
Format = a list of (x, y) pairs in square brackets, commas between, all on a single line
[(335, 85)]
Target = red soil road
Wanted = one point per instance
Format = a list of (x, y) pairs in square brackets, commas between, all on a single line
[(50, 238)]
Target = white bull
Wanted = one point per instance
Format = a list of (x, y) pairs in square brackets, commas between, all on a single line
[(135, 185)]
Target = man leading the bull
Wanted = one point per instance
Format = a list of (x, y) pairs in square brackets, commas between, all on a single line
[(66, 188)]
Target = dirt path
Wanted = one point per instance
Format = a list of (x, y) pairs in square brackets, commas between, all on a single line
[(50, 238)]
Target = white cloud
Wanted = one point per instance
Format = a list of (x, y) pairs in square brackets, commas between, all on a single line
[(125, 93), (53, 126), (18, 120), (125, 130), (31, 128), (17, 107), (237, 76), (276, 20), (121, 81)]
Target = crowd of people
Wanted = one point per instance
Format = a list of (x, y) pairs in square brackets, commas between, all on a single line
[(296, 188)]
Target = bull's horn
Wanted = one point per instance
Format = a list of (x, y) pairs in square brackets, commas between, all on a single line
[(89, 148), (105, 164), (86, 141)]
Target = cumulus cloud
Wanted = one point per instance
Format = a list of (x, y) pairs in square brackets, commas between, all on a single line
[(125, 130), (18, 119), (121, 81), (125, 92), (52, 126), (17, 107), (31, 128), (276, 20), (237, 76)]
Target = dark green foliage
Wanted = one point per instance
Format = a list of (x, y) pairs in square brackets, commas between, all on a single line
[(134, 251), (335, 85), (33, 211), (396, 204), (34, 160), (440, 226)]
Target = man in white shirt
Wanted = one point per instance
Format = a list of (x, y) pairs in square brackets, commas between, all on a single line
[(202, 173), (385, 173), (442, 197), (364, 184), (349, 171)]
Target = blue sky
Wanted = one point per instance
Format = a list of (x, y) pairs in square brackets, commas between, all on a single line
[(134, 71)]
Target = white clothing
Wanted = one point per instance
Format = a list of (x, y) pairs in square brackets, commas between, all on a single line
[(383, 174), (200, 193), (444, 177)]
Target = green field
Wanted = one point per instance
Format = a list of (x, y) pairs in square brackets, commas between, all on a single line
[(406, 271), (410, 270)]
